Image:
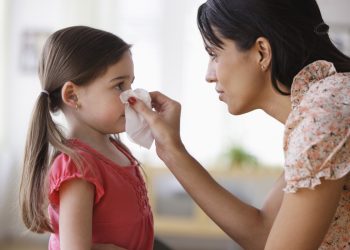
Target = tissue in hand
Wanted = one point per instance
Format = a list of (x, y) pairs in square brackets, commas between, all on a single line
[(136, 127)]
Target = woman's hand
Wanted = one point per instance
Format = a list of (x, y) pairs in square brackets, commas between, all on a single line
[(164, 122), (106, 247)]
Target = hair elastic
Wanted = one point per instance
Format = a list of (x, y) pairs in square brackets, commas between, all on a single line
[(321, 29), (45, 92)]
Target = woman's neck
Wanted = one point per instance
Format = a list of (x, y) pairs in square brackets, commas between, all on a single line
[(278, 106)]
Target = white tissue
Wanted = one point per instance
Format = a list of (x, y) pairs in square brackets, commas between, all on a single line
[(136, 127)]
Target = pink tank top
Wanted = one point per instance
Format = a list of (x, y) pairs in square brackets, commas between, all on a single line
[(121, 212)]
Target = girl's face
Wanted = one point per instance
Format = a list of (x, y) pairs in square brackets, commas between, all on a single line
[(100, 106), (239, 80)]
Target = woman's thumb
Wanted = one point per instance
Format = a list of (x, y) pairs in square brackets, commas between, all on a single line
[(141, 108)]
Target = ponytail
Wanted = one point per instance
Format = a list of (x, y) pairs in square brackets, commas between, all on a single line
[(44, 141)]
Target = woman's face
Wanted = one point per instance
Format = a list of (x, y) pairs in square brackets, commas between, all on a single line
[(240, 81)]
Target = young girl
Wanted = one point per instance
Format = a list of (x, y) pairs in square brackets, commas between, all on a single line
[(88, 180), (273, 55)]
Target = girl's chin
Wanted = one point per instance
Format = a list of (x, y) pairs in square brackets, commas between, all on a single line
[(119, 129)]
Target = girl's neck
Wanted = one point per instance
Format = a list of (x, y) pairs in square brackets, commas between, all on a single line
[(96, 140), (102, 144)]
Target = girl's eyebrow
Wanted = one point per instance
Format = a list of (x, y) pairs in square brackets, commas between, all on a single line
[(122, 78)]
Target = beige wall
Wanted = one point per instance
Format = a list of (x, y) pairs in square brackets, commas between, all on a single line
[(335, 11)]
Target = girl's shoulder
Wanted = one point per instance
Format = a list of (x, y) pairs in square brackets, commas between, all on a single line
[(80, 157), (82, 165)]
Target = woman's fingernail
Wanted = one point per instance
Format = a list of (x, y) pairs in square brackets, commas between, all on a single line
[(132, 100)]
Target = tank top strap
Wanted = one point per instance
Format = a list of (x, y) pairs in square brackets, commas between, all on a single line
[(125, 151)]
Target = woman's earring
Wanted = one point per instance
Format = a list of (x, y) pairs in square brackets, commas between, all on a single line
[(262, 67)]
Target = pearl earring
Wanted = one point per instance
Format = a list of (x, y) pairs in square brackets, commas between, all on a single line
[(77, 105)]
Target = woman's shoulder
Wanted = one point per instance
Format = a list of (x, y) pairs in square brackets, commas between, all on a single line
[(317, 129), (319, 85), (320, 100)]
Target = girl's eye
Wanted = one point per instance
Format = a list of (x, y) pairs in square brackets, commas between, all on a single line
[(119, 86)]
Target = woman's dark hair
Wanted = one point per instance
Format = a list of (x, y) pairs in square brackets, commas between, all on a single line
[(78, 54), (295, 29)]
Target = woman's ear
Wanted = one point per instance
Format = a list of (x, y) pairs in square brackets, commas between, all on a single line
[(69, 94), (265, 54)]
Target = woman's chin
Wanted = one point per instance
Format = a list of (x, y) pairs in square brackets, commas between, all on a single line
[(234, 112), (237, 110)]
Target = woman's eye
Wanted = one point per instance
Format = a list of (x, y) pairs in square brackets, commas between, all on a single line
[(212, 55)]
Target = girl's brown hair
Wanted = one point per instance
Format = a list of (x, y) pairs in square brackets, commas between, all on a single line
[(78, 54)]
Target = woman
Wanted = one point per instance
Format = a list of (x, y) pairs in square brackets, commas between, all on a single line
[(276, 56)]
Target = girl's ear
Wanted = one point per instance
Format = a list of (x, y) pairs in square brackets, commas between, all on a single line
[(265, 54), (69, 94)]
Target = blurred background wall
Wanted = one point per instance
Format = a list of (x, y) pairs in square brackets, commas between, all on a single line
[(168, 56)]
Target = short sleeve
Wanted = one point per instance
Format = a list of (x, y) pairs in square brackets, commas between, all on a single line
[(64, 169), (317, 142)]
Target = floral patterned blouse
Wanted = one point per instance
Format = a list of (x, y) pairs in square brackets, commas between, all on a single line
[(317, 140)]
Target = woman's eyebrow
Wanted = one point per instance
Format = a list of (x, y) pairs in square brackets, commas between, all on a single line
[(210, 48), (207, 48)]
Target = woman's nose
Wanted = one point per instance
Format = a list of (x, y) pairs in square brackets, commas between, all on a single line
[(211, 73)]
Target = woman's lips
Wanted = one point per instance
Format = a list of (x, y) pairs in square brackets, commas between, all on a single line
[(221, 94)]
